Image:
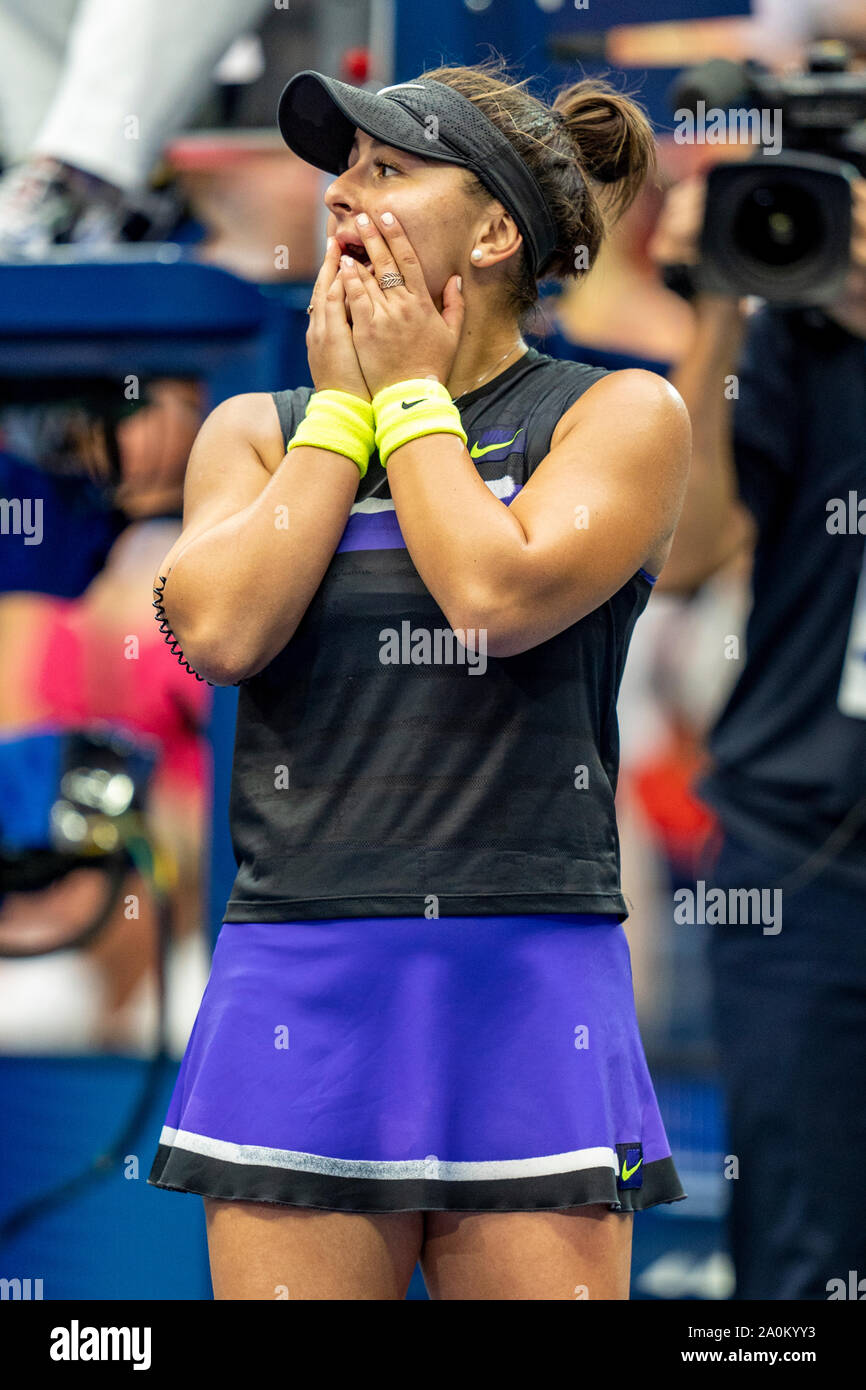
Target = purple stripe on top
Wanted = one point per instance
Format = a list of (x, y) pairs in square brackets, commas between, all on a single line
[(372, 531), (381, 531)]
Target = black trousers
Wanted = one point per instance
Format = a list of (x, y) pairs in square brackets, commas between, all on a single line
[(789, 1015)]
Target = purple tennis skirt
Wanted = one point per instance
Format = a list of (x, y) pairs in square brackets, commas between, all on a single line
[(407, 1063)]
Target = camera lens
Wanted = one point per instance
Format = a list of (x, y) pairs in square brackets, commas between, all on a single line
[(779, 224)]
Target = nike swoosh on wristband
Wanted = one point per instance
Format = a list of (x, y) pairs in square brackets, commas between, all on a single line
[(407, 404), (628, 1172), (476, 453)]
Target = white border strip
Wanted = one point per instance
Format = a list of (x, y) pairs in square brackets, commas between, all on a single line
[(500, 487), (430, 1167), (372, 505)]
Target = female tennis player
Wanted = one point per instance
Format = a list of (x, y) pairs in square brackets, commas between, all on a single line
[(418, 1040)]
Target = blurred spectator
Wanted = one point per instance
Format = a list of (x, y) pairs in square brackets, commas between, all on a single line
[(675, 682), (787, 776), (97, 660), (623, 305), (90, 90)]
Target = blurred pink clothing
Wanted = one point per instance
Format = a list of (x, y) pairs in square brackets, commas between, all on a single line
[(80, 674)]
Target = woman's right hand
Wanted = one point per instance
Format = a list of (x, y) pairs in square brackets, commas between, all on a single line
[(334, 364)]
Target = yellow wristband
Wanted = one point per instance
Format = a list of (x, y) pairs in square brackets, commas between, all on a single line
[(408, 409), (338, 421)]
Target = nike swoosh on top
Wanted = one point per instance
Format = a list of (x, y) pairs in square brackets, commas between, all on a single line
[(476, 453), (406, 404), (629, 1172)]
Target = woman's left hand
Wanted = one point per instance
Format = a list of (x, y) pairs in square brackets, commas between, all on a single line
[(399, 333)]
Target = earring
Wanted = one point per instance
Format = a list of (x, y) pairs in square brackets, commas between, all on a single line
[(477, 254)]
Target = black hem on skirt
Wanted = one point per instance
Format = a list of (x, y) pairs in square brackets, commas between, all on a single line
[(180, 1170)]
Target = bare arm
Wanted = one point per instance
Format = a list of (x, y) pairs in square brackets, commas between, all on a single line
[(714, 524), (603, 502), (260, 529)]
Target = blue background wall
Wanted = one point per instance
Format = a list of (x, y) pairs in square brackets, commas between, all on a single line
[(429, 35)]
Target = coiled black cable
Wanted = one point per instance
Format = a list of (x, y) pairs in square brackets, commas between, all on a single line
[(165, 628)]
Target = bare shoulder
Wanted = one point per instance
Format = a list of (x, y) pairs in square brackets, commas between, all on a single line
[(236, 451), (636, 400), (639, 425), (251, 416)]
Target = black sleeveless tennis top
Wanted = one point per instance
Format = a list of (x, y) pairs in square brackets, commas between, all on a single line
[(377, 774)]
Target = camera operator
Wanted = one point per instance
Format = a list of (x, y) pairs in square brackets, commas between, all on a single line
[(777, 399)]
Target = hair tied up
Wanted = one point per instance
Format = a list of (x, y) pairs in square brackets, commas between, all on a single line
[(589, 136)]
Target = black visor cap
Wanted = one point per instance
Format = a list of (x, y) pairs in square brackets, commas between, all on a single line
[(318, 116)]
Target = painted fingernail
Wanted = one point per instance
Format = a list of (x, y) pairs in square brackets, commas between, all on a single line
[(387, 218), (346, 261), (362, 219)]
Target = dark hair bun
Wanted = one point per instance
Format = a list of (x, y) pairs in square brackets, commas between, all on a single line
[(612, 136)]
